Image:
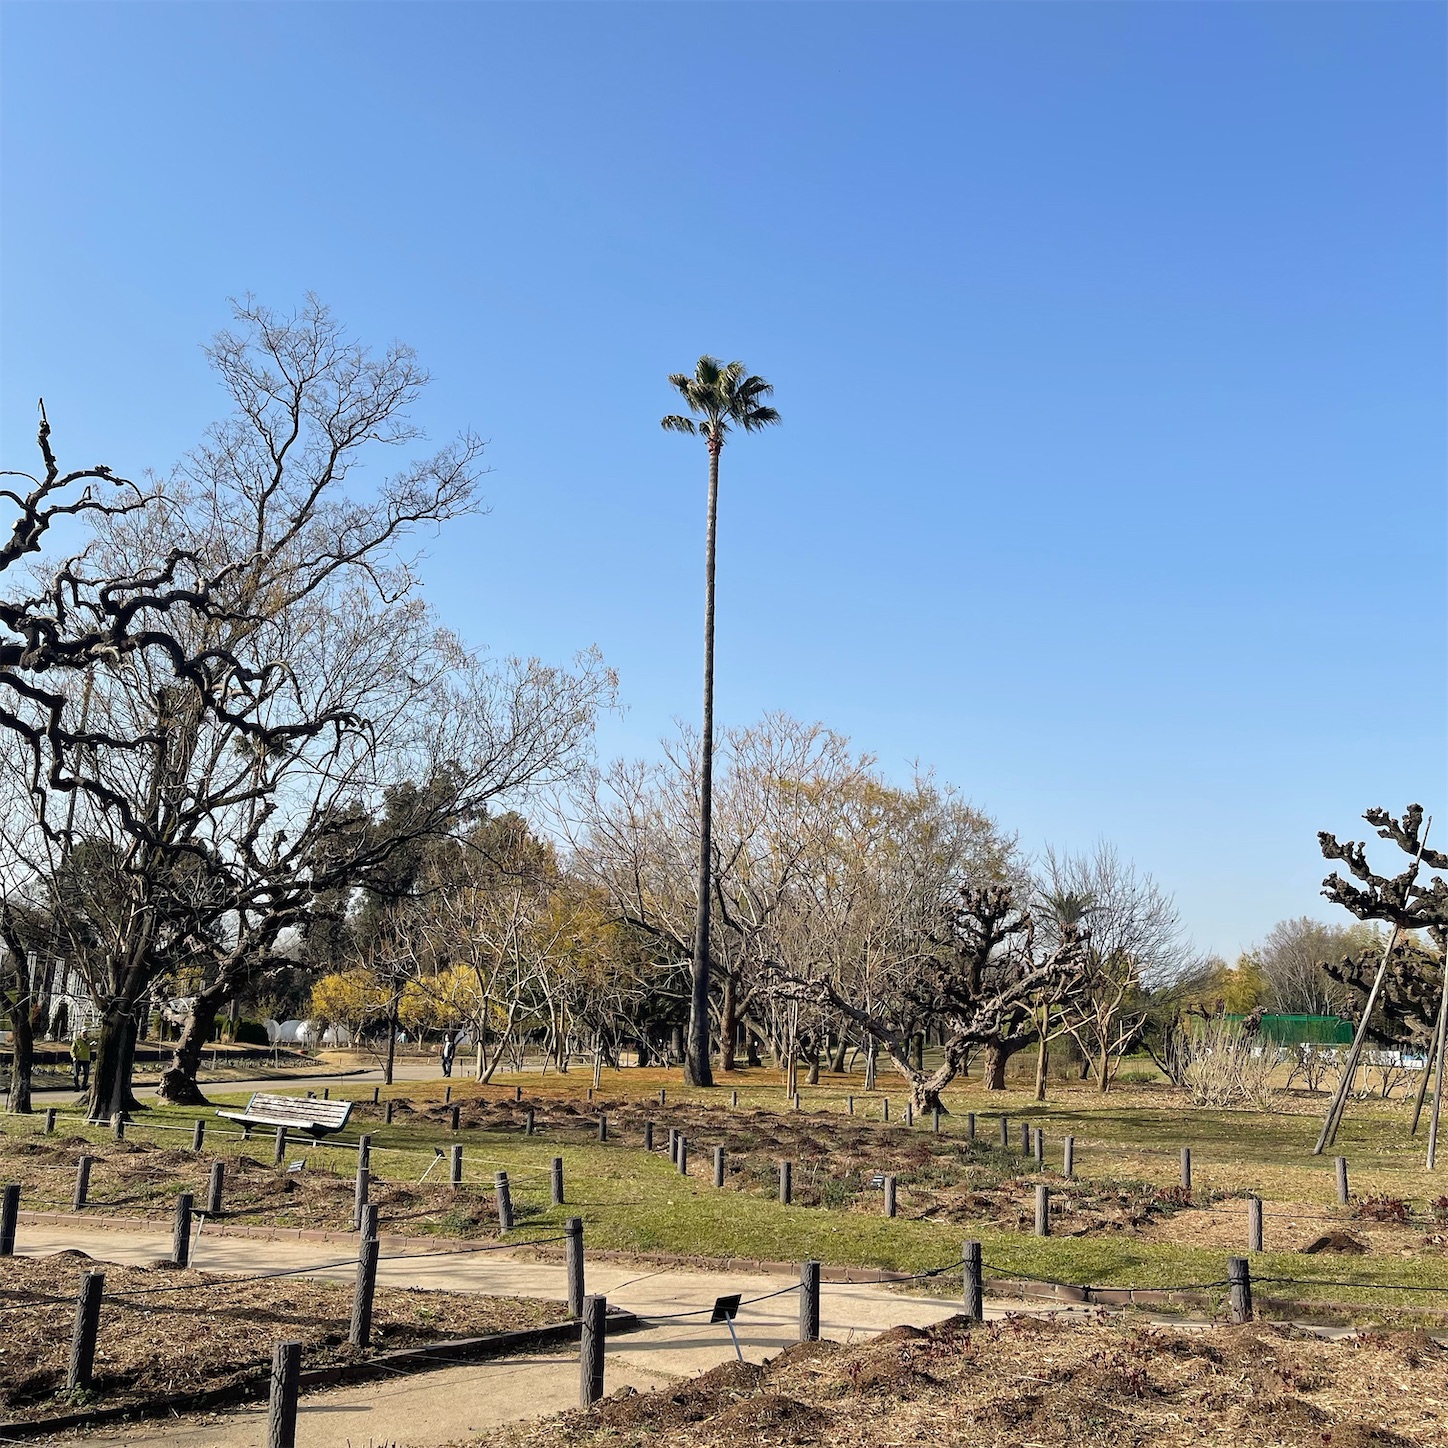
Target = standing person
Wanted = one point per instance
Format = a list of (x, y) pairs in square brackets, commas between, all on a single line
[(448, 1047), (80, 1059)]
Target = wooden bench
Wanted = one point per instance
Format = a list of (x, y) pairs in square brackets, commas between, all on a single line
[(300, 1113)]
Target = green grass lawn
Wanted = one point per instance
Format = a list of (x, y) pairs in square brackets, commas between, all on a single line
[(636, 1202)]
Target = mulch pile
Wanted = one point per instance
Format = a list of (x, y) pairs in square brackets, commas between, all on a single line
[(1043, 1383), (154, 1344)]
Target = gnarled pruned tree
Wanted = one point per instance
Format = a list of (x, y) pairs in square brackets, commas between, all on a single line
[(982, 985)]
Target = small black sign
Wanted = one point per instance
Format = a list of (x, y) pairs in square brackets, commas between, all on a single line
[(726, 1309)]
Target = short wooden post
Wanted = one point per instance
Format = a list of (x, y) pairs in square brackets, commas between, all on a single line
[(974, 1289), (1038, 1144), (1254, 1224), (796, 1100), (970, 1125), (82, 1182), (9, 1215), (673, 1143), (590, 1093), (446, 1095), (181, 1231), (718, 1166), (505, 1201), (1005, 1133), (455, 1166), (1068, 1158), (555, 1181), (809, 1302), (279, 1151), (935, 1120), (887, 1108), (327, 1092), (648, 1136), (590, 1351), (215, 1186), (1025, 1138), (663, 1093), (786, 1183), (118, 1126), (364, 1151), (1239, 1283), (528, 1122), (1340, 1165), (889, 1196), (364, 1291), (909, 1113), (376, 1093), (573, 1254), (198, 1135), (50, 1120), (734, 1098), (1186, 1168), (603, 1128), (683, 1157), (849, 1105), (1043, 1210), (517, 1093), (281, 1417), (457, 1117), (387, 1114), (87, 1327)]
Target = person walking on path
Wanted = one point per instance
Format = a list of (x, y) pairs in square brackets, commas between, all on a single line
[(80, 1062), (448, 1047)]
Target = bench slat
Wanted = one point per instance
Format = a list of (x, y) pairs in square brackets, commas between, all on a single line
[(308, 1113)]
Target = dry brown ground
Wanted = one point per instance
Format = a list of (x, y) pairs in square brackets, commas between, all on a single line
[(1031, 1383), (157, 1343)]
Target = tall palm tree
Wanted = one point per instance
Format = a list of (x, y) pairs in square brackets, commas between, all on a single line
[(721, 395)]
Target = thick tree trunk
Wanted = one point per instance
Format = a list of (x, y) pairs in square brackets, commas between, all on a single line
[(728, 1022), (814, 1064), (996, 1056), (112, 1063), (179, 1086), (926, 1098), (696, 1056), (870, 1053), (837, 1061), (1041, 1055), (22, 1059)]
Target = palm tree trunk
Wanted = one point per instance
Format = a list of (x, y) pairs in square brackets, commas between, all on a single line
[(696, 1053)]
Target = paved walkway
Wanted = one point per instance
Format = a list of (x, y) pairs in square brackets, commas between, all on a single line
[(431, 1409)]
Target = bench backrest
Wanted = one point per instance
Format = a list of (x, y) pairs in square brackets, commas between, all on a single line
[(304, 1110)]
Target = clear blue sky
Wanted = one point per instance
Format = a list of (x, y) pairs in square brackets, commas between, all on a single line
[(1110, 342)]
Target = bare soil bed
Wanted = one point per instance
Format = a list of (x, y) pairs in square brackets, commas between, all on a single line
[(1030, 1381), (214, 1332)]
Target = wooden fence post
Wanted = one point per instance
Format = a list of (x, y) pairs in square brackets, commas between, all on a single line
[(889, 1196), (909, 1113), (446, 1095), (281, 1417), (50, 1120), (369, 1220), (683, 1156), (9, 1215), (786, 1183), (1239, 1283), (387, 1114), (1186, 1168), (82, 1182), (603, 1128), (590, 1351), (279, 1151), (555, 1181), (1068, 1158), (935, 1120), (457, 1115), (809, 1302), (718, 1166), (1043, 1210), (181, 1232), (849, 1105), (1005, 1133), (1025, 1138), (505, 1202), (648, 1136), (528, 1122), (1038, 1143), (573, 1230), (887, 1108), (1340, 1164), (974, 1290), (970, 1125), (1254, 1224), (734, 1098), (455, 1166), (215, 1185), (363, 1292), (359, 1191), (198, 1135), (87, 1327), (517, 1093)]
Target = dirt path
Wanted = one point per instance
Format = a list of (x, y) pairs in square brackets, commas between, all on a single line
[(437, 1408)]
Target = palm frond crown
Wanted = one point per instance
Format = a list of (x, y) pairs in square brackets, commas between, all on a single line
[(721, 394)]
